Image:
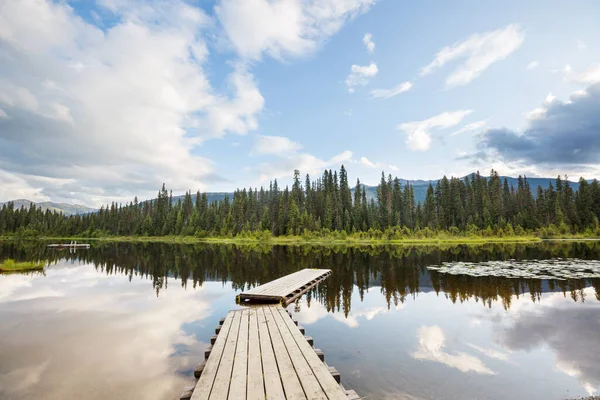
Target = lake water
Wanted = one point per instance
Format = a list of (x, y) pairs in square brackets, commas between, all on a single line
[(132, 320)]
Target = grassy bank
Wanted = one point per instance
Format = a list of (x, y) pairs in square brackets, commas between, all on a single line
[(300, 240), (10, 265)]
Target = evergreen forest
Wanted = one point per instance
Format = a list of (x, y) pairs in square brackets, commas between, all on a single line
[(328, 206)]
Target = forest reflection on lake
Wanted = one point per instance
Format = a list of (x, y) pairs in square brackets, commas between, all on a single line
[(137, 317)]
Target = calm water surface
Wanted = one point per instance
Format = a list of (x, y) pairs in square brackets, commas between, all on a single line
[(132, 320)]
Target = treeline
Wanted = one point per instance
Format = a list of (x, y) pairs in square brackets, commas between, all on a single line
[(474, 205)]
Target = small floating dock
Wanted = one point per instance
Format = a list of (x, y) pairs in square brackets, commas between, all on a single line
[(286, 289), (71, 245), (261, 353)]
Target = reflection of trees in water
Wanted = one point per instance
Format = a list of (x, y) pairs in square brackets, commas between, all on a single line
[(399, 271)]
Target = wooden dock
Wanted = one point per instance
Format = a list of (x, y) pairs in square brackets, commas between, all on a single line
[(260, 353), (72, 245), (286, 289)]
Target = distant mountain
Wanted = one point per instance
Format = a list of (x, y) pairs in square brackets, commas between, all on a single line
[(67, 209), (212, 197)]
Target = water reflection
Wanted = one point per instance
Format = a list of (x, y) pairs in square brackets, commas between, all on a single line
[(400, 272), (132, 320)]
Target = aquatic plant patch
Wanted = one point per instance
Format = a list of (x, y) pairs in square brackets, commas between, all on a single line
[(558, 268)]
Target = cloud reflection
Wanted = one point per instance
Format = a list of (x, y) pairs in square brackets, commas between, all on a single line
[(431, 348), (571, 331), (98, 337)]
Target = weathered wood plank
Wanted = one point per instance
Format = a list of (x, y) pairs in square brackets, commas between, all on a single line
[(205, 383), (309, 382), (273, 385), (320, 370), (291, 384), (237, 388), (256, 388), (287, 286), (220, 387)]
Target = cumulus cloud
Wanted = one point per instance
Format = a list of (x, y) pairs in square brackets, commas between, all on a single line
[(419, 132), (432, 343), (274, 145), (557, 133), (532, 65), (587, 77), (480, 51), (284, 27), (115, 112), (368, 42), (360, 75), (387, 93)]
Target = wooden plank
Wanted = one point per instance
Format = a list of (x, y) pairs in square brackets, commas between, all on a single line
[(283, 286), (220, 387), (237, 388), (273, 386), (205, 383), (289, 285), (309, 382), (256, 388), (320, 370), (291, 384)]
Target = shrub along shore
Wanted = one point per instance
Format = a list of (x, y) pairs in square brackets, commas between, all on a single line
[(10, 265)]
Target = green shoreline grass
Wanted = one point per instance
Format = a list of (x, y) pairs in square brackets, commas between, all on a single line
[(10, 265), (299, 240)]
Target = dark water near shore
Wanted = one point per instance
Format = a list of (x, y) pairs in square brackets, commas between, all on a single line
[(132, 320)]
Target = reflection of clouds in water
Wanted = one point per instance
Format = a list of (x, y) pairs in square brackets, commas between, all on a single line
[(317, 311), (20, 380), (114, 341), (14, 287), (571, 331), (17, 287), (491, 353), (431, 348)]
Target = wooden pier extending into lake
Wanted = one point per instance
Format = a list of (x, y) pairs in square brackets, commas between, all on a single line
[(286, 289), (260, 352)]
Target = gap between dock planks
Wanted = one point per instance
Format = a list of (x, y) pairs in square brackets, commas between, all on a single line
[(260, 353), (286, 289)]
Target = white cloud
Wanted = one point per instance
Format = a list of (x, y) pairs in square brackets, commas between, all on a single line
[(387, 93), (431, 348), (285, 164), (114, 112), (532, 65), (3, 114), (365, 162), (588, 77), (419, 137), (284, 27), (473, 126), (279, 145), (360, 75), (480, 51), (368, 42)]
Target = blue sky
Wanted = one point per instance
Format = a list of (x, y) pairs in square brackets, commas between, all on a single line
[(105, 100)]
